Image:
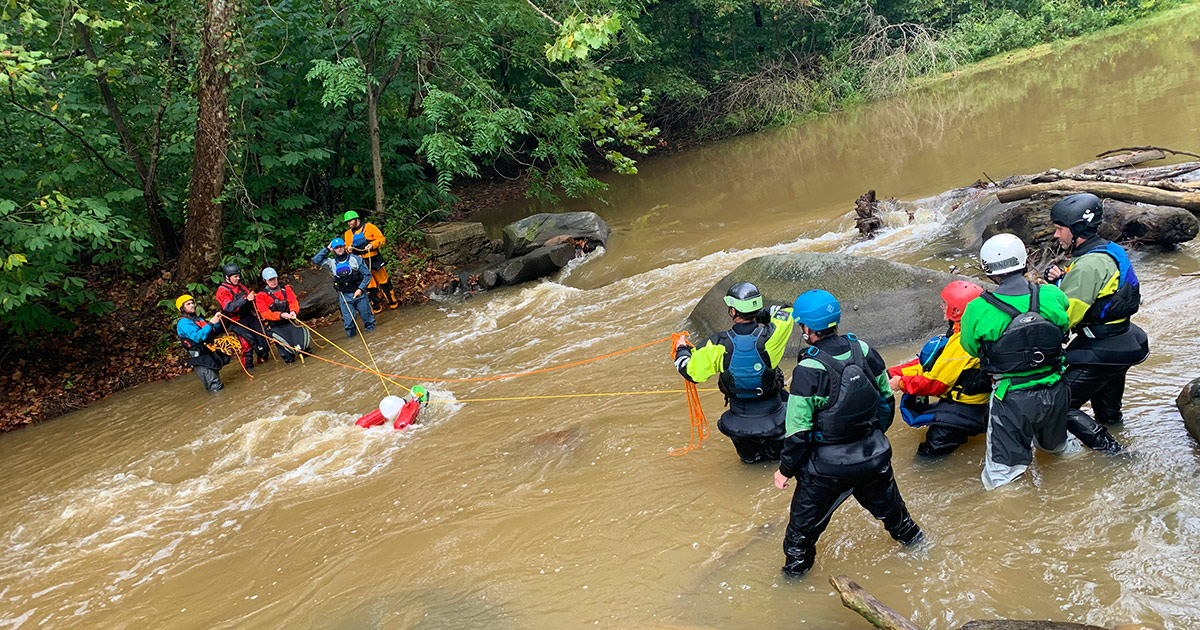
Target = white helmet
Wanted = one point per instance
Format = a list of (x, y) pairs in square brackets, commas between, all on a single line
[(1001, 254)]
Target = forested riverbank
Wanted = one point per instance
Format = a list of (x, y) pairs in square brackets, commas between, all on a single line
[(151, 142)]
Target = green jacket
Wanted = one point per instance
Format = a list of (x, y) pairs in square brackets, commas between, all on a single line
[(983, 322), (1089, 278)]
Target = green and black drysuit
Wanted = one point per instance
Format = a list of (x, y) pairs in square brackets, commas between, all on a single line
[(754, 421), (1029, 403), (839, 407)]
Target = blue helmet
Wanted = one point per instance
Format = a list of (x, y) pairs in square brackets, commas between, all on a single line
[(817, 309), (337, 242)]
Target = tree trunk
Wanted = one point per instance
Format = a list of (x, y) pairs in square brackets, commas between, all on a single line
[(154, 203), (202, 234), (1125, 192), (376, 156), (1117, 161)]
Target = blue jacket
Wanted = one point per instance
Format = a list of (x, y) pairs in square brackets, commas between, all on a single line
[(194, 331), (323, 259)]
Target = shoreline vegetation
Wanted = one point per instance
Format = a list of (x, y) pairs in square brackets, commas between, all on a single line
[(104, 221)]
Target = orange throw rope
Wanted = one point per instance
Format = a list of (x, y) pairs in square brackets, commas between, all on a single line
[(699, 424)]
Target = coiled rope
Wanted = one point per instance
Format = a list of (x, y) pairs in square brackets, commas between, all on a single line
[(699, 423)]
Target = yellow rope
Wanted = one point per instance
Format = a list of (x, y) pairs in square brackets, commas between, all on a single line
[(549, 396), (354, 318), (330, 342), (226, 344)]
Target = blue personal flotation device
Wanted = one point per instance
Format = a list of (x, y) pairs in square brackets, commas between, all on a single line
[(360, 240), (747, 372), (1123, 302), (917, 411)]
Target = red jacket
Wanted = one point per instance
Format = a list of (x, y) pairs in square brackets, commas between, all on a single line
[(232, 298), (266, 297)]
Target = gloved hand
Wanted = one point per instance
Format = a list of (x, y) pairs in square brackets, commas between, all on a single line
[(1053, 273)]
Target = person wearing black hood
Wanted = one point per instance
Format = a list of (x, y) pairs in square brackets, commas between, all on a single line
[(1102, 290)]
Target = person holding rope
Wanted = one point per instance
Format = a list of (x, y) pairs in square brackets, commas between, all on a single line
[(351, 277), (237, 303), (365, 240), (745, 360), (839, 407), (277, 306), (196, 333)]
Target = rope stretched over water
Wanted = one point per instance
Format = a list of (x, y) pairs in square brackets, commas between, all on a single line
[(354, 318)]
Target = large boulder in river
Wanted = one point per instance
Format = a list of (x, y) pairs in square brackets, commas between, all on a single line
[(457, 243), (535, 264), (315, 292), (1188, 404), (1123, 222), (532, 232), (883, 302)]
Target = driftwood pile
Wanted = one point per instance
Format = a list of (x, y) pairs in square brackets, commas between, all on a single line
[(1143, 205)]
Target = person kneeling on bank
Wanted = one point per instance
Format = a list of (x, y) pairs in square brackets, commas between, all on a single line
[(196, 333), (944, 370), (745, 360)]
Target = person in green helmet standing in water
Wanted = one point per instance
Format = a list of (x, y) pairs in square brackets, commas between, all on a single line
[(1102, 291), (838, 410), (1017, 331), (746, 359)]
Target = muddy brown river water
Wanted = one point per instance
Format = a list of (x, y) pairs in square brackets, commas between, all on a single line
[(264, 507)]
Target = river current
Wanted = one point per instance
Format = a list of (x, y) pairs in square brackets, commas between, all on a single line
[(262, 506)]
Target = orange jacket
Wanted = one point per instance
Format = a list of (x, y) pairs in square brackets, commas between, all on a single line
[(264, 298), (371, 234)]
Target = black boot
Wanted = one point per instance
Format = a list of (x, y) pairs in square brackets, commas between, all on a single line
[(389, 294), (798, 557), (907, 533), (1092, 434)]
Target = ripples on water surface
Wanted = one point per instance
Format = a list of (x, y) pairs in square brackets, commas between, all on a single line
[(262, 507)]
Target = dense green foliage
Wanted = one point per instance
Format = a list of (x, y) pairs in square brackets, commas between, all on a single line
[(100, 107)]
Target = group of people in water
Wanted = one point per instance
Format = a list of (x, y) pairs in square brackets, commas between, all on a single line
[(250, 322), (1001, 370)]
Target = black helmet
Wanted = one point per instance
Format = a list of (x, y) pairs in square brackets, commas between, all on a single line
[(231, 269), (744, 298), (1082, 213)]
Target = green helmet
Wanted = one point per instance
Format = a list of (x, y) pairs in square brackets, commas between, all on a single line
[(351, 215), (744, 298)]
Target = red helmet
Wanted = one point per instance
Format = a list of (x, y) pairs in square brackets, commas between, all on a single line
[(957, 295)]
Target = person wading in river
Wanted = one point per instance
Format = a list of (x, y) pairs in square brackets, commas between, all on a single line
[(745, 360), (195, 333), (1017, 332), (839, 407), (277, 306), (237, 303), (350, 278), (945, 370), (365, 240), (1103, 292)]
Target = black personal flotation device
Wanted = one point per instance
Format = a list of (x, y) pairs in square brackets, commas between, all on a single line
[(279, 302), (850, 413), (1029, 342), (237, 291), (199, 354), (347, 275), (747, 371)]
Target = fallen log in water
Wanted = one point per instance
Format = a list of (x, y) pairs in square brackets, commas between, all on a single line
[(1118, 161), (1153, 173), (1126, 192), (867, 221), (1054, 175), (865, 604)]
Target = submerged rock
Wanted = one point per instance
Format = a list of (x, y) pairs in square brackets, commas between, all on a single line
[(1188, 404), (883, 302), (530, 233)]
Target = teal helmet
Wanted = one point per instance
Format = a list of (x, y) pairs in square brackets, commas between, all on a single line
[(744, 298), (817, 309)]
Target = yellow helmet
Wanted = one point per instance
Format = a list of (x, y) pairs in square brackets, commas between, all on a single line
[(181, 300)]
